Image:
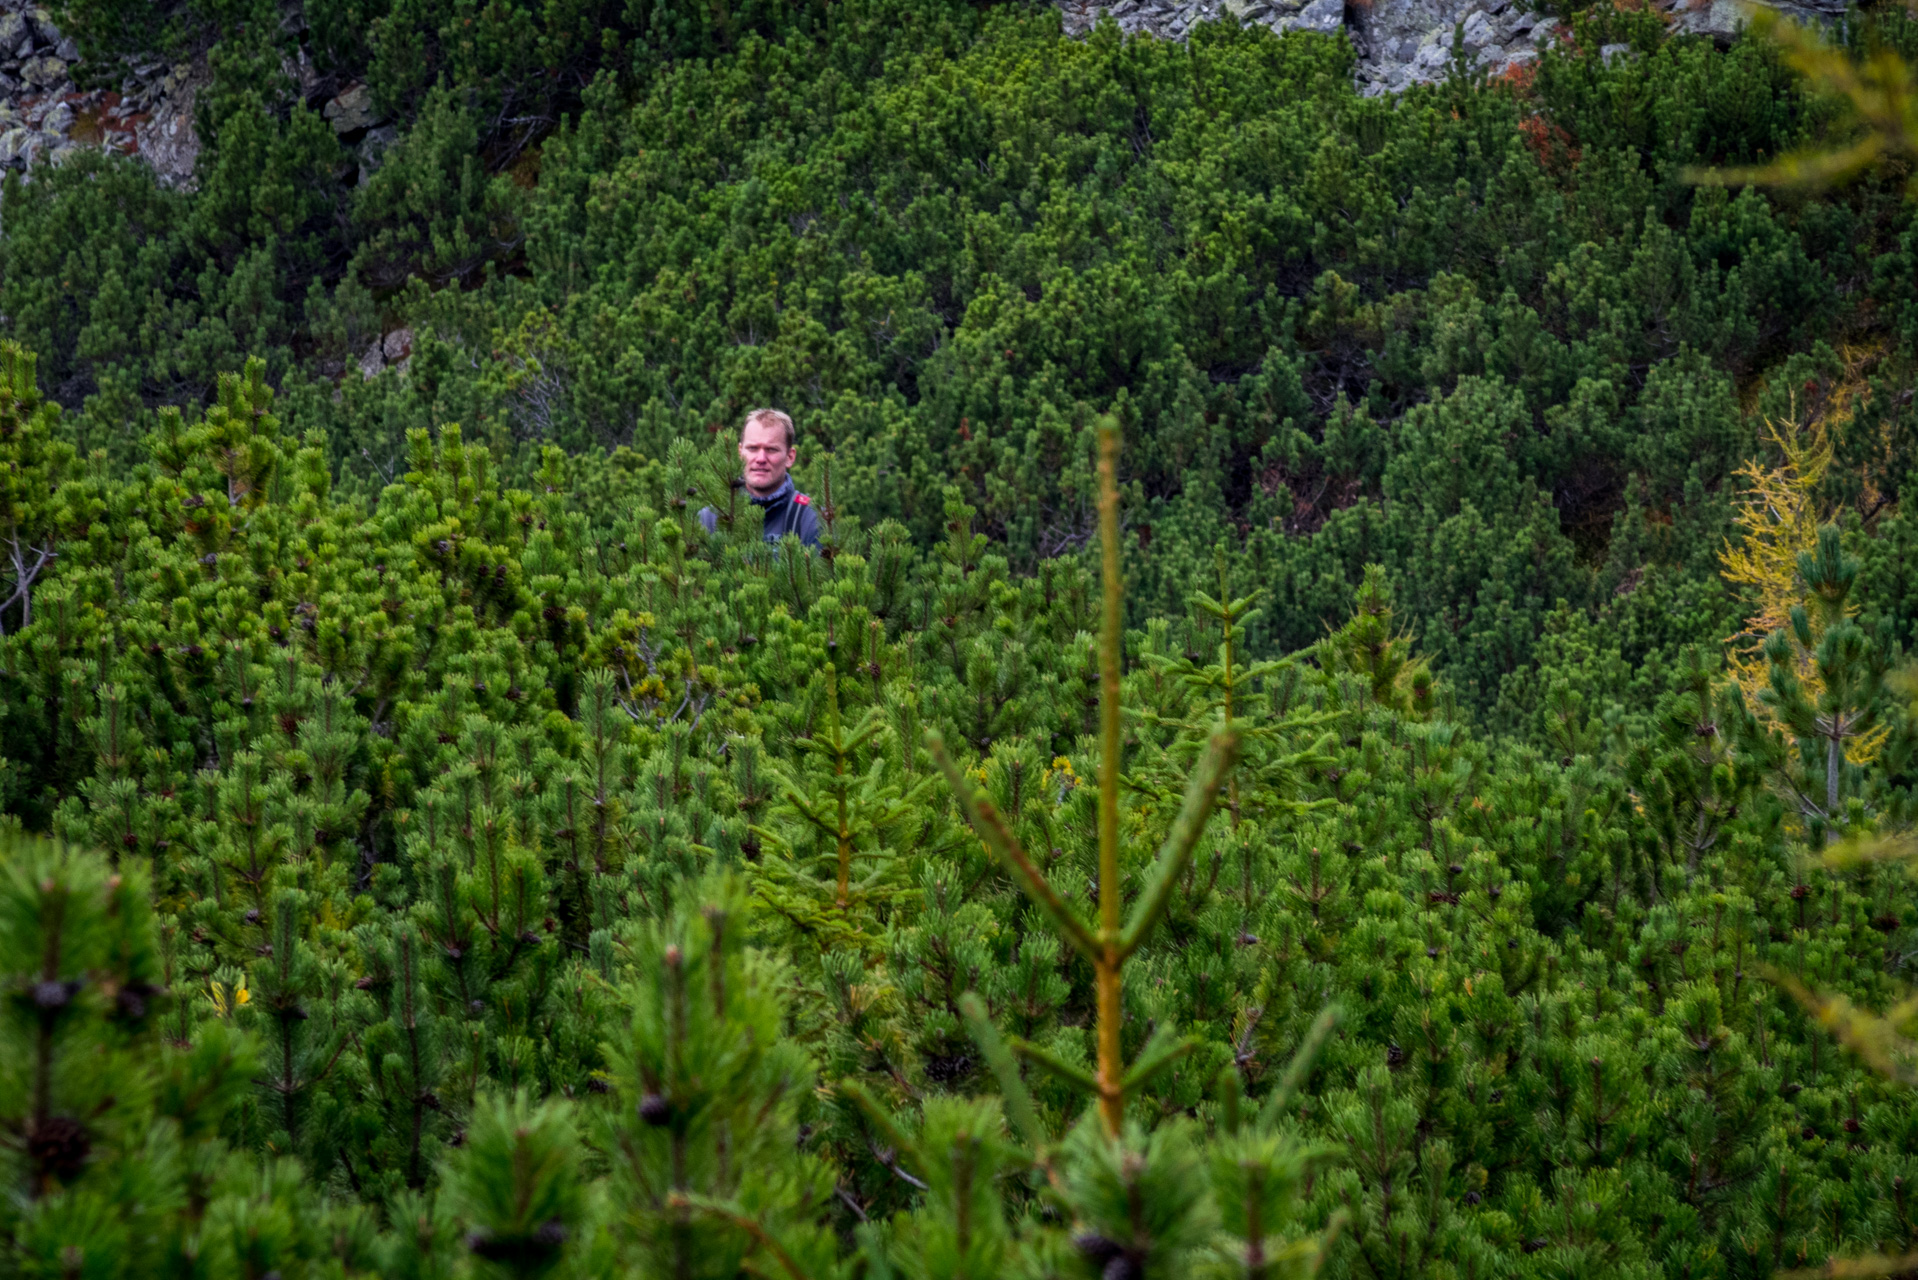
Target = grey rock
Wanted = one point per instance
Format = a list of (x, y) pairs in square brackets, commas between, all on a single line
[(44, 72), (166, 140), (1290, 15), (373, 147), (1405, 42), (1477, 32), (1719, 19), (13, 29), (24, 49), (1610, 51), (1723, 19), (303, 73), (1325, 16), (58, 120), (13, 144), (372, 362), (398, 345), (68, 50), (351, 110)]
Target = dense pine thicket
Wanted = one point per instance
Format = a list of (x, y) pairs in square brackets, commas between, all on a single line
[(440, 857), (1487, 336)]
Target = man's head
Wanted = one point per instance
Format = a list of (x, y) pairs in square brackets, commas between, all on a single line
[(766, 449)]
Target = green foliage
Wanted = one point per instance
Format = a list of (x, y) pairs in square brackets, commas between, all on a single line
[(489, 871), (478, 903), (517, 1179), (1489, 337), (116, 1163)]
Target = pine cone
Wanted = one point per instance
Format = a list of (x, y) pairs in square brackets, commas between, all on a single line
[(58, 1147), (520, 1250)]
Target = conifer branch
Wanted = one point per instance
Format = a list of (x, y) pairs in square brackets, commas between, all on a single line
[(1869, 1268), (880, 1119), (1300, 1067), (680, 1201), (1160, 1052), (991, 828), (1231, 1096), (1012, 1087), (1076, 1076), (1201, 794), (1106, 968)]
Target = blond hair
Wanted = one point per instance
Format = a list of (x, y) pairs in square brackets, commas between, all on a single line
[(773, 416)]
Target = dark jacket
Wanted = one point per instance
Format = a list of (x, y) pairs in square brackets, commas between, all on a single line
[(787, 511)]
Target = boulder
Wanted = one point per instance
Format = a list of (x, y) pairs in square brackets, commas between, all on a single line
[(351, 111), (1722, 19), (1477, 31), (167, 140), (1291, 15), (374, 146), (1172, 19), (1405, 42), (44, 72)]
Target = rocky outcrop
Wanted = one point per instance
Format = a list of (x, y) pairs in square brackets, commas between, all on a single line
[(164, 138), (394, 350), (1405, 42), (46, 117), (359, 125)]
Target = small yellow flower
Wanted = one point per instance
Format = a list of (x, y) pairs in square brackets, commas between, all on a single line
[(220, 1002)]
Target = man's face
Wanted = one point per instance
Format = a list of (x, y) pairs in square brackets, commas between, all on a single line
[(762, 447)]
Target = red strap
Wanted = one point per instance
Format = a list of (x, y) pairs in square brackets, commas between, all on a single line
[(802, 499)]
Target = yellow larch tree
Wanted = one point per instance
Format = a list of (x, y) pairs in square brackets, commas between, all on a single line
[(1778, 521)]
